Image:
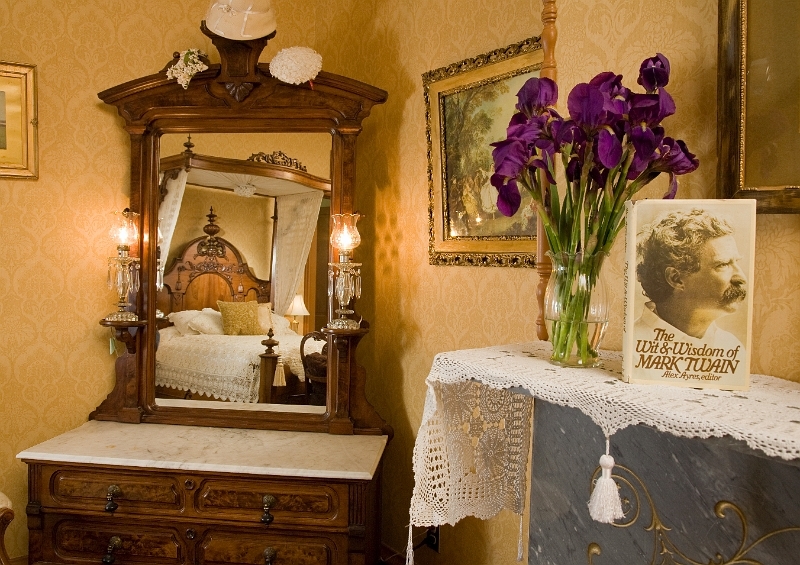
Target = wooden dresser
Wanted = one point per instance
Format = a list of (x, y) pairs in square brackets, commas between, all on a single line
[(110, 492)]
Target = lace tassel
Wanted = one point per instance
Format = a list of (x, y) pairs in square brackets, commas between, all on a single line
[(520, 547), (280, 377), (410, 546), (604, 504)]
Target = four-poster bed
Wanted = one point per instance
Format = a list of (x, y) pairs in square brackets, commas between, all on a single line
[(196, 359)]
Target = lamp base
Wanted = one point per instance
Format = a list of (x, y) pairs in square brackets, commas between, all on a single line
[(122, 316), (343, 324)]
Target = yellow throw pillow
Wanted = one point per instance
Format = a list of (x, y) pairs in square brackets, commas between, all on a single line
[(240, 318)]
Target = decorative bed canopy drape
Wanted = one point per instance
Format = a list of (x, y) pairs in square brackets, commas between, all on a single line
[(298, 196)]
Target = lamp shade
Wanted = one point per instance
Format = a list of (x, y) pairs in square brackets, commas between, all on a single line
[(241, 19), (124, 231), (345, 236), (298, 307)]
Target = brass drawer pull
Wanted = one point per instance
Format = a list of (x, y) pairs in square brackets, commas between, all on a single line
[(113, 491), (269, 555), (113, 544), (191, 534), (269, 501), (189, 484)]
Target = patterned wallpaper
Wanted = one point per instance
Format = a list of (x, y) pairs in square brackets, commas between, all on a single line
[(417, 310), (54, 362)]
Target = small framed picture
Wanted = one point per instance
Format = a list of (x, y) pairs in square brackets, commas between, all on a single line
[(18, 121), (468, 106)]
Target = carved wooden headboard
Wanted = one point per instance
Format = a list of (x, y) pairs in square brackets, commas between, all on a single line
[(209, 269)]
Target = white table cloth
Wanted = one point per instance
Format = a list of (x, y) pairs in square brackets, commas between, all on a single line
[(471, 452)]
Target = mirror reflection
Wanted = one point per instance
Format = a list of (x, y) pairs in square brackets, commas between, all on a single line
[(243, 226)]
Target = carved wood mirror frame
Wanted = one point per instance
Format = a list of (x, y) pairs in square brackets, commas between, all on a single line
[(237, 95)]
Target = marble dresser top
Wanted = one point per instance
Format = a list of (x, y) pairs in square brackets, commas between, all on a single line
[(223, 450)]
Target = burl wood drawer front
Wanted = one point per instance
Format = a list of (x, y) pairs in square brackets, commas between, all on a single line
[(227, 547), (137, 493), (78, 540), (296, 502)]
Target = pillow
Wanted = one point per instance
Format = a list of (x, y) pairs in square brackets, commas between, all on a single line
[(265, 316), (280, 325), (182, 319), (168, 333), (208, 322), (240, 318)]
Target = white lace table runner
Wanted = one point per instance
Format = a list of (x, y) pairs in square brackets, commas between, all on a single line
[(449, 484)]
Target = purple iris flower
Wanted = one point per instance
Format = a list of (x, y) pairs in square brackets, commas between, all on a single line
[(536, 95), (654, 73), (651, 108), (564, 131), (585, 104), (508, 197), (527, 131), (510, 156), (609, 148), (615, 96)]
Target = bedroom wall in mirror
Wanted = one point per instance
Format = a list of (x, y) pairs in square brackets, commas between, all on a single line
[(243, 225)]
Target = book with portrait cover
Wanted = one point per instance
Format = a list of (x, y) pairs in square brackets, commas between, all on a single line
[(688, 292)]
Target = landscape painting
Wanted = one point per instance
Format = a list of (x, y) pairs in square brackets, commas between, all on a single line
[(474, 117), (468, 106)]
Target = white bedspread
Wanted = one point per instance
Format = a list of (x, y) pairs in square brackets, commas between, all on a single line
[(223, 366)]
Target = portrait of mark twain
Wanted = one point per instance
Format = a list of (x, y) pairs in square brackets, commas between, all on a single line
[(690, 269)]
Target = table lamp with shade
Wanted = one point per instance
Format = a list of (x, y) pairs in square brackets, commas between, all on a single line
[(298, 308)]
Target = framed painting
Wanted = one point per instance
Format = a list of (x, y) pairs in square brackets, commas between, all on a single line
[(758, 103), (468, 106), (18, 121)]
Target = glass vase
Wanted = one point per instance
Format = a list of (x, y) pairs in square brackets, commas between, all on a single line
[(576, 309)]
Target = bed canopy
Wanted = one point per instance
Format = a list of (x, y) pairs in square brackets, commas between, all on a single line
[(298, 196)]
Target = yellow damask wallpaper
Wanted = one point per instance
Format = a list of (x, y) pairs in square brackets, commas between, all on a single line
[(54, 362), (418, 310), (55, 365)]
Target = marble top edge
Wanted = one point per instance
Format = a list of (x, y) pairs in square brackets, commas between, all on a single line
[(223, 450), (41, 457)]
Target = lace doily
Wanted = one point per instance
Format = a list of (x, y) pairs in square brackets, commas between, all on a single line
[(448, 484)]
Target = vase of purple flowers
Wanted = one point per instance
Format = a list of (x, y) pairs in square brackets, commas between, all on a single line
[(610, 146)]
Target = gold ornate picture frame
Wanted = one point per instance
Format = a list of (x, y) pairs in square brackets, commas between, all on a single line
[(18, 121), (758, 104), (467, 106)]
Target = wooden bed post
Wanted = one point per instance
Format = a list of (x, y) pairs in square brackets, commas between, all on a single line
[(543, 265), (269, 364)]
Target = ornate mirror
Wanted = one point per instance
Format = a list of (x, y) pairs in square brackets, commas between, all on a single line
[(267, 163)]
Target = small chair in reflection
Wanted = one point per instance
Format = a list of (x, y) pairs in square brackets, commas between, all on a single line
[(315, 366)]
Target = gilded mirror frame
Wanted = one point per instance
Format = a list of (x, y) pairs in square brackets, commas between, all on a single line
[(733, 107), (236, 96)]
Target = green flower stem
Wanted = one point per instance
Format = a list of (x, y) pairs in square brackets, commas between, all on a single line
[(575, 280)]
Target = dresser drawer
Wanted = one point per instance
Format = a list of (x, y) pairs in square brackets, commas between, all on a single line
[(235, 547), (80, 540), (136, 492), (297, 502)]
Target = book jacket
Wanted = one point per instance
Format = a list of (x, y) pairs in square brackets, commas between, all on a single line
[(688, 292)]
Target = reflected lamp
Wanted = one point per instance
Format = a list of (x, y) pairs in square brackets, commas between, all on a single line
[(344, 276), (123, 270), (298, 308)]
